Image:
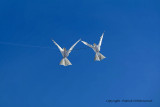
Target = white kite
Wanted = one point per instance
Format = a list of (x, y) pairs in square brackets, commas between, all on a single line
[(65, 53), (96, 48)]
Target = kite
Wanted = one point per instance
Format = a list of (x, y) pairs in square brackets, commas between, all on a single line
[(65, 53), (96, 48)]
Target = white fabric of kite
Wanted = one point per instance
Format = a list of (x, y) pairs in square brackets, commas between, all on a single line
[(65, 53), (96, 48)]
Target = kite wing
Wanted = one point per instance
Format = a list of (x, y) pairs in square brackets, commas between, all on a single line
[(87, 44), (61, 50), (73, 46), (100, 42)]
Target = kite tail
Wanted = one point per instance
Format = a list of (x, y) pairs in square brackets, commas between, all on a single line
[(65, 62), (99, 57)]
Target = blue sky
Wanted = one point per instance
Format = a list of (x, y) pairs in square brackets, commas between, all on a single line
[(31, 77)]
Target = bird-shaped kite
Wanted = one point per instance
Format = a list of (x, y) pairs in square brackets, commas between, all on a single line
[(96, 48), (65, 53)]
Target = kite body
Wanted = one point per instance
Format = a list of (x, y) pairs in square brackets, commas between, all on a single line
[(65, 61), (96, 48), (65, 54)]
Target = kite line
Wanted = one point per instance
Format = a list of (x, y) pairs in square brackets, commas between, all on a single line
[(32, 46)]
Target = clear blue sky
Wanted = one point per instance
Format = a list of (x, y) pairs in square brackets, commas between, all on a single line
[(31, 77)]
